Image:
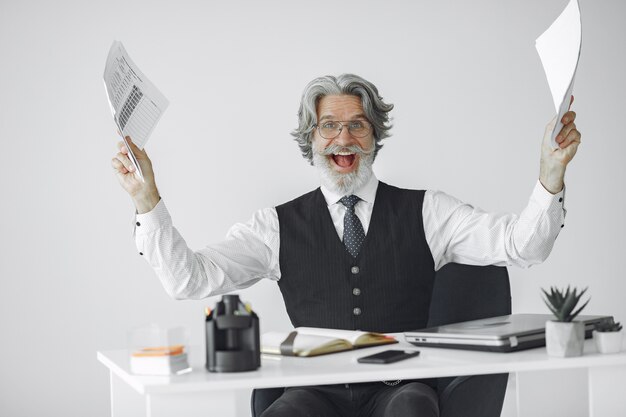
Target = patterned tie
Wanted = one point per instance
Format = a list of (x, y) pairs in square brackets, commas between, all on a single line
[(353, 233)]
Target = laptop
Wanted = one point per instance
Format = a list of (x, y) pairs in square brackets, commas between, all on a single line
[(496, 334)]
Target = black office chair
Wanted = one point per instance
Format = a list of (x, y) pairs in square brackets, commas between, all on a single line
[(461, 293)]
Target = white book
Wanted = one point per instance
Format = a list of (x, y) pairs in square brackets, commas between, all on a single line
[(159, 365)]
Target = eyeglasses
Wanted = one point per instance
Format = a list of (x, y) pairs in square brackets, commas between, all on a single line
[(332, 128)]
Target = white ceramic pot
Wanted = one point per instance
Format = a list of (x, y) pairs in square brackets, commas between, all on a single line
[(608, 342), (565, 339)]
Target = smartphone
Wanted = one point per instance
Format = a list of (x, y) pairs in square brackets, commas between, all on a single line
[(389, 356)]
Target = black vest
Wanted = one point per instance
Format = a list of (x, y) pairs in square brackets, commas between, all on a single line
[(387, 288)]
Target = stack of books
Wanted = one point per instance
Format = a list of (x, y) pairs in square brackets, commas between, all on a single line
[(162, 360)]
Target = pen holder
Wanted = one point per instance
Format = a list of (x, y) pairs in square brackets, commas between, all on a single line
[(232, 337)]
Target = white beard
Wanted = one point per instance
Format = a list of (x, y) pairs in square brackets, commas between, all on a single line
[(344, 184)]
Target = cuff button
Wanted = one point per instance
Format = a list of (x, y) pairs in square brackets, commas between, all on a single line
[(138, 224), (141, 253)]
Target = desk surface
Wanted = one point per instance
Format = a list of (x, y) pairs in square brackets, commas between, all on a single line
[(343, 368)]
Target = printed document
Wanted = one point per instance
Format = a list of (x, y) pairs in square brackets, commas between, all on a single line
[(559, 50), (136, 104)]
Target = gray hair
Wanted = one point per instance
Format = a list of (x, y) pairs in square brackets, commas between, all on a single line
[(376, 110)]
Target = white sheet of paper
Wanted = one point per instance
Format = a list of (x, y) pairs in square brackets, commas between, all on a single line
[(559, 50), (136, 104)]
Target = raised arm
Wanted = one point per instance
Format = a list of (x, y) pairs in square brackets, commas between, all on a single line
[(249, 252), (459, 232)]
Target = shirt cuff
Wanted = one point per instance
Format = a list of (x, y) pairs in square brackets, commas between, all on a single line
[(546, 199), (153, 220)]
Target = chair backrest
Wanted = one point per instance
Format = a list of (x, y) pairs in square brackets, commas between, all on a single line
[(467, 292)]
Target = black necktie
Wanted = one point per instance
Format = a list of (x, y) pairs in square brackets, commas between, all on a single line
[(353, 233)]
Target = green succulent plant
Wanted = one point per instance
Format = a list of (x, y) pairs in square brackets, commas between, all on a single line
[(562, 303), (608, 326)]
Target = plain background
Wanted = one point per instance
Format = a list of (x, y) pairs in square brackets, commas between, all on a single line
[(471, 106)]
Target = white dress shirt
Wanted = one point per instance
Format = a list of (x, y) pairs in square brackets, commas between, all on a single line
[(455, 232)]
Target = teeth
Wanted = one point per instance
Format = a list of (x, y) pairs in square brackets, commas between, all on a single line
[(345, 153)]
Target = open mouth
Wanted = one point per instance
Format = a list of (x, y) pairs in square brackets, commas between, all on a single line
[(345, 161)]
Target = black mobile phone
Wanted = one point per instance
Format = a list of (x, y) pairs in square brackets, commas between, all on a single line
[(389, 356)]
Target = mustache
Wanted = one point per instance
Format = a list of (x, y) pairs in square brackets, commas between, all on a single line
[(335, 149)]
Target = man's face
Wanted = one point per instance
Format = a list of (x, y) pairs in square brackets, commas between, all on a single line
[(346, 109), (344, 161)]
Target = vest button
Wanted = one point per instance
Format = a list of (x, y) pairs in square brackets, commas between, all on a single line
[(354, 270), (356, 291), (356, 311)]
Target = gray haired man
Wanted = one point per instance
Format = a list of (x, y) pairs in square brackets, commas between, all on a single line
[(355, 253)]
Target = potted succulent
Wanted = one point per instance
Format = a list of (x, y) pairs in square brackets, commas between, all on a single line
[(564, 336), (608, 337)]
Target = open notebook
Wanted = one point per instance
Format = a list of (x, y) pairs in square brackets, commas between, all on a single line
[(311, 341)]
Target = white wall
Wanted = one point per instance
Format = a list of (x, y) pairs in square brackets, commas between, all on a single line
[(471, 106)]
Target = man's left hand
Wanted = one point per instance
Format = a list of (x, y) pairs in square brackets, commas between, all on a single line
[(554, 161)]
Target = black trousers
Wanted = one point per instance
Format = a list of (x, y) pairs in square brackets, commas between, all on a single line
[(372, 399)]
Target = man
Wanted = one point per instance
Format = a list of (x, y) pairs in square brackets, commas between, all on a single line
[(368, 265)]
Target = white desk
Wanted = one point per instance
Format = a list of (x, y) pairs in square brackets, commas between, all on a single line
[(601, 391)]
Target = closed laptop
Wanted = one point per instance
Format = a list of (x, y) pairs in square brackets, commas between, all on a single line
[(497, 334)]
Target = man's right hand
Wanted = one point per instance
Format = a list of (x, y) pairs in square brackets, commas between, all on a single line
[(144, 194)]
